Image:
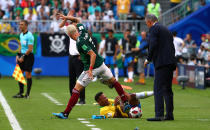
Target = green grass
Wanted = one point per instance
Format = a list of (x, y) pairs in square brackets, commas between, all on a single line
[(191, 107)]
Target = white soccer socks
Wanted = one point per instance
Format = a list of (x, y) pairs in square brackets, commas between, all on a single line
[(144, 94)]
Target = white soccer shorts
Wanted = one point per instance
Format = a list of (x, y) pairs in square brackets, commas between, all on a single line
[(103, 71)]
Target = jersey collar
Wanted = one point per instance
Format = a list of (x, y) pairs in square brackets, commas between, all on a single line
[(25, 32)]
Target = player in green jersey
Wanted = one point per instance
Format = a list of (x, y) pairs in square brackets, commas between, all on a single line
[(93, 65)]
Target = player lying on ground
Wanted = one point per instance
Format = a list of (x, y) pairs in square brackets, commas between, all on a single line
[(113, 108), (93, 66)]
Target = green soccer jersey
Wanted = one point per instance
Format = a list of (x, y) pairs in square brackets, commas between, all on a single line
[(84, 45), (81, 29)]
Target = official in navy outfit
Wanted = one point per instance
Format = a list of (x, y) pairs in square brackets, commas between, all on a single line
[(75, 64), (162, 54)]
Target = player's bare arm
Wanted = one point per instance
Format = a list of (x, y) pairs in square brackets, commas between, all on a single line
[(17, 57), (63, 21), (71, 18), (118, 113), (116, 49), (30, 49), (92, 62)]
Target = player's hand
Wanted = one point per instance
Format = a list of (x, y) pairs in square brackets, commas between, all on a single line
[(21, 59), (115, 57), (61, 16), (17, 59), (145, 63), (90, 74), (134, 49)]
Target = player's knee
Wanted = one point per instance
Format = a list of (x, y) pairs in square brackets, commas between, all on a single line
[(112, 80), (78, 87)]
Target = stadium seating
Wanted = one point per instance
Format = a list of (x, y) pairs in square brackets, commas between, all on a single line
[(139, 10)]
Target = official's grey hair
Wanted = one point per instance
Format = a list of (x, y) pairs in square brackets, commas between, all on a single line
[(151, 17), (71, 29)]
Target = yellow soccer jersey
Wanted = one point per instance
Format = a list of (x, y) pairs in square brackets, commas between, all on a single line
[(109, 111)]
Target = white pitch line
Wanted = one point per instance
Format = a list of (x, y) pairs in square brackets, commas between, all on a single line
[(51, 98), (203, 119), (11, 117), (90, 125), (85, 122), (80, 119), (95, 129)]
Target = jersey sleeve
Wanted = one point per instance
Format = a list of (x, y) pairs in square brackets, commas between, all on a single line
[(30, 39)]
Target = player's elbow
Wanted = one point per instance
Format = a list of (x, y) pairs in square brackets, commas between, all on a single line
[(94, 55), (30, 48)]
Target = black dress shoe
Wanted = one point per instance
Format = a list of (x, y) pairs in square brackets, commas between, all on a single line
[(155, 119), (81, 102), (18, 96), (26, 96), (169, 118)]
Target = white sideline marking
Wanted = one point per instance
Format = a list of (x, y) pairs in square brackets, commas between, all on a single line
[(90, 125), (95, 129), (11, 117), (51, 99), (85, 122), (203, 119), (80, 119)]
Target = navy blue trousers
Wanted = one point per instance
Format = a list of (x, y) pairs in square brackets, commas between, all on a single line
[(163, 91)]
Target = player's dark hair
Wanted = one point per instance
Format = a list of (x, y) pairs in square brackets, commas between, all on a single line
[(110, 30), (98, 95), (174, 33), (192, 57), (25, 21), (189, 34), (103, 35), (128, 30)]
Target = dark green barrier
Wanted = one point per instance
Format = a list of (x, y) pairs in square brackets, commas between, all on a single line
[(116, 35)]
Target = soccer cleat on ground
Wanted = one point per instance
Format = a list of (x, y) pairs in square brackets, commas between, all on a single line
[(18, 96), (127, 107), (128, 80), (61, 115), (26, 96)]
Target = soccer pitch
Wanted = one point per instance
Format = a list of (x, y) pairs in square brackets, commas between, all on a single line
[(51, 94)]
